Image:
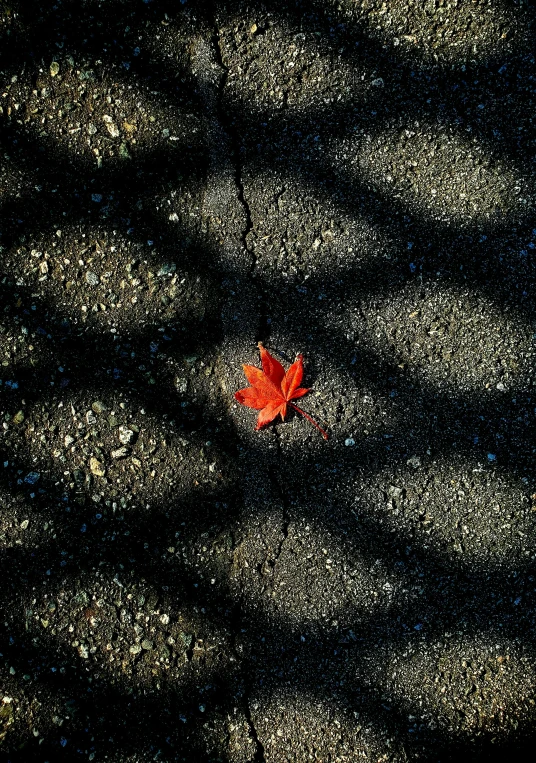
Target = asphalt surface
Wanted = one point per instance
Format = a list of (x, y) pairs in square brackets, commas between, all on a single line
[(354, 181)]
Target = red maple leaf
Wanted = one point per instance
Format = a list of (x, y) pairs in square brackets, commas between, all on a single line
[(272, 389)]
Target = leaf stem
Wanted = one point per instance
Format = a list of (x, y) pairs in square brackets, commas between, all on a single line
[(313, 422)]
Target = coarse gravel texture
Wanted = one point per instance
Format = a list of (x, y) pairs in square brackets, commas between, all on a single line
[(350, 179)]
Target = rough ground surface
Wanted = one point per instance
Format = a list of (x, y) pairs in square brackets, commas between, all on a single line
[(353, 180)]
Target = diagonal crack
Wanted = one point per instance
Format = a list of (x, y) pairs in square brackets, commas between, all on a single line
[(278, 490), (263, 328), (244, 692), (225, 202), (229, 127), (259, 747)]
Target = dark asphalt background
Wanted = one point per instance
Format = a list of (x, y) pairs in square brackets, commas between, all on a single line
[(354, 181)]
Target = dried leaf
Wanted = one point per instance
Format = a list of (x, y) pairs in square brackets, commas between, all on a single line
[(272, 389)]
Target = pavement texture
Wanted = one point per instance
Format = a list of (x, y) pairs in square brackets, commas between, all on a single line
[(353, 180)]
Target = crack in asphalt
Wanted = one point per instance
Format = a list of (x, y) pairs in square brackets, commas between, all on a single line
[(226, 168), (260, 756), (243, 695), (263, 327), (278, 490)]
